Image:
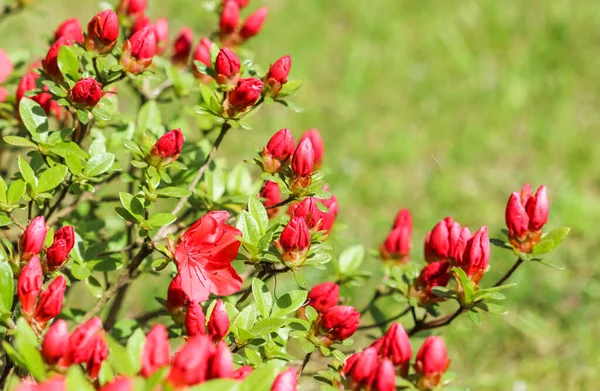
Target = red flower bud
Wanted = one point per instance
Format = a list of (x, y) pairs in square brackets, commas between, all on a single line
[(27, 83), (517, 219), (218, 324), (195, 321), (317, 143), (227, 68), (272, 196), (191, 364), (245, 94), (140, 23), (230, 17), (242, 372), (397, 244), (324, 296), (55, 343), (295, 242), (431, 362), (278, 151), (396, 347), (446, 241), (157, 351), (385, 378), (277, 75), (221, 365), (303, 159), (328, 218), (253, 24), (51, 301), (161, 29), (71, 30), (167, 148), (340, 322), (537, 209), (433, 274), (182, 47), (364, 367), (86, 93), (29, 285), (176, 297), (50, 63), (119, 384), (32, 240), (102, 32), (66, 233), (82, 342), (309, 211), (286, 381), (56, 383), (477, 255), (202, 54), (241, 3), (100, 353), (139, 50), (136, 7)]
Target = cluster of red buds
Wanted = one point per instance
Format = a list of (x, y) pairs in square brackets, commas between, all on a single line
[(526, 214), (32, 241), (396, 247), (334, 325), (86, 345), (376, 368), (29, 83), (217, 326), (232, 32)]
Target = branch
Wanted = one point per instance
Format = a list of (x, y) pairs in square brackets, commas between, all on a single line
[(11, 9), (304, 363), (386, 321), (509, 273), (282, 203)]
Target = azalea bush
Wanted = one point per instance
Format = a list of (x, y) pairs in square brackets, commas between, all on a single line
[(94, 197)]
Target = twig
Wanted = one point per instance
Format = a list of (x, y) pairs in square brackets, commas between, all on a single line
[(386, 321), (282, 203), (151, 315), (11, 9), (446, 320), (509, 273), (304, 363), (124, 249)]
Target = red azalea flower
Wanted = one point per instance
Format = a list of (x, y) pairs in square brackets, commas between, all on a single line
[(204, 257)]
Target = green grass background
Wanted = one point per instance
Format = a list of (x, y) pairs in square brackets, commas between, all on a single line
[(443, 107)]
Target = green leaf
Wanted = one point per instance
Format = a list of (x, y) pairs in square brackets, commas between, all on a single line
[(34, 118), (74, 164), (442, 292), (259, 213), (161, 219), (99, 164), (94, 286), (266, 326), (7, 289), (289, 303), (26, 343), (474, 316), (465, 282), (351, 259), (132, 205), (218, 385), (149, 117), (263, 377), (246, 318), (120, 358), (51, 178), (264, 300), (27, 173), (77, 381), (68, 63), (3, 189), (80, 272), (215, 183), (551, 240), (177, 192), (19, 141), (16, 191), (300, 280), (135, 346), (249, 227), (4, 220), (492, 308)]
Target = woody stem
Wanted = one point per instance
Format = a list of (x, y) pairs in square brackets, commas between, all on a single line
[(304, 363), (386, 321), (509, 273)]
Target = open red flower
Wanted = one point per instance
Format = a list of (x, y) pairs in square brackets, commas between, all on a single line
[(204, 257)]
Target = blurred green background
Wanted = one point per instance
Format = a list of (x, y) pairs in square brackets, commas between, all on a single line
[(443, 107)]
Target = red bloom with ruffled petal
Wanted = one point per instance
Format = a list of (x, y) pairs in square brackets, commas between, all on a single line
[(204, 257)]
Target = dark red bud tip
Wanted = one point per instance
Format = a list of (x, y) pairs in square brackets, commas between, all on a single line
[(157, 351), (182, 47), (431, 362), (71, 30), (32, 240), (295, 242), (195, 320), (218, 324), (253, 24), (227, 67), (230, 17), (280, 147), (317, 143), (51, 301), (86, 93), (55, 343), (286, 381), (340, 322), (139, 50), (29, 284)]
